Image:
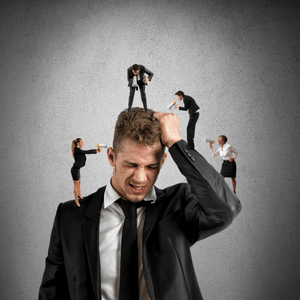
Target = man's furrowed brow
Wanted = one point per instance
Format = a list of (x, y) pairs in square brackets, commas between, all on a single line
[(126, 162), (153, 165)]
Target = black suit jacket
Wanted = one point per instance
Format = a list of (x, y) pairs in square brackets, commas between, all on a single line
[(80, 158), (182, 215), (189, 104), (142, 73)]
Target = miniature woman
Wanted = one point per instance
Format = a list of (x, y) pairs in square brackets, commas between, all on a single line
[(228, 153), (80, 159)]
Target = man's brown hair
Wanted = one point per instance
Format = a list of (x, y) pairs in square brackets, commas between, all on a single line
[(135, 67), (180, 93), (137, 125)]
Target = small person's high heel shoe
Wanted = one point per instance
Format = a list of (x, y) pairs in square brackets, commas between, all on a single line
[(76, 206)]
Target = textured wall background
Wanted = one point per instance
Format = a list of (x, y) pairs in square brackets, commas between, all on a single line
[(63, 76)]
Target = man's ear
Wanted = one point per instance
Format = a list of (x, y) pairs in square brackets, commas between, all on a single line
[(111, 156), (163, 159)]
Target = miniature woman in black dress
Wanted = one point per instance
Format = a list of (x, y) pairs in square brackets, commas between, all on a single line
[(80, 159)]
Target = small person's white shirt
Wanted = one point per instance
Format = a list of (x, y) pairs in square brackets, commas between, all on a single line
[(110, 239), (227, 152)]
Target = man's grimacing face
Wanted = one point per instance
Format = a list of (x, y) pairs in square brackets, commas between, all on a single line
[(135, 169)]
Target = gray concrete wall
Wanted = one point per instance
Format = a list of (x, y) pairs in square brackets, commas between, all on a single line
[(63, 76)]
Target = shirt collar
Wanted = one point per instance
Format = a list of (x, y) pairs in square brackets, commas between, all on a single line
[(225, 146), (110, 195)]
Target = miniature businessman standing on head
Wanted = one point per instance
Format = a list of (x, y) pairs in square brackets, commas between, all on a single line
[(191, 105), (138, 72)]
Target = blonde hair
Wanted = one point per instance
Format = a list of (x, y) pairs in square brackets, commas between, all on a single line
[(74, 144)]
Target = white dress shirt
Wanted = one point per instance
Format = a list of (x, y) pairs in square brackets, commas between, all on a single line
[(110, 238), (227, 152)]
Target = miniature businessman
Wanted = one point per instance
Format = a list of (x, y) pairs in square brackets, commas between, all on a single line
[(190, 105), (131, 240), (136, 78)]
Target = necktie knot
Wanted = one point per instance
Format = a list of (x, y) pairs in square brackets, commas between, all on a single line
[(129, 208)]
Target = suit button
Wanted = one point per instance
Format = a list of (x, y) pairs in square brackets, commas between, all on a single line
[(193, 158)]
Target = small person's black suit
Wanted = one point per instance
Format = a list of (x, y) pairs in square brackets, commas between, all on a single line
[(182, 215), (190, 105), (80, 158), (140, 83)]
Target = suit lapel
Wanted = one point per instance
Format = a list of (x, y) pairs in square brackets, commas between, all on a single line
[(152, 214), (91, 237)]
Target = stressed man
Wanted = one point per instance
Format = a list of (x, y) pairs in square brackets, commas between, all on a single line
[(131, 240), (136, 76)]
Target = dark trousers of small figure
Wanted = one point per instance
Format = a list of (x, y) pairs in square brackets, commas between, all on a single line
[(142, 88), (190, 130)]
